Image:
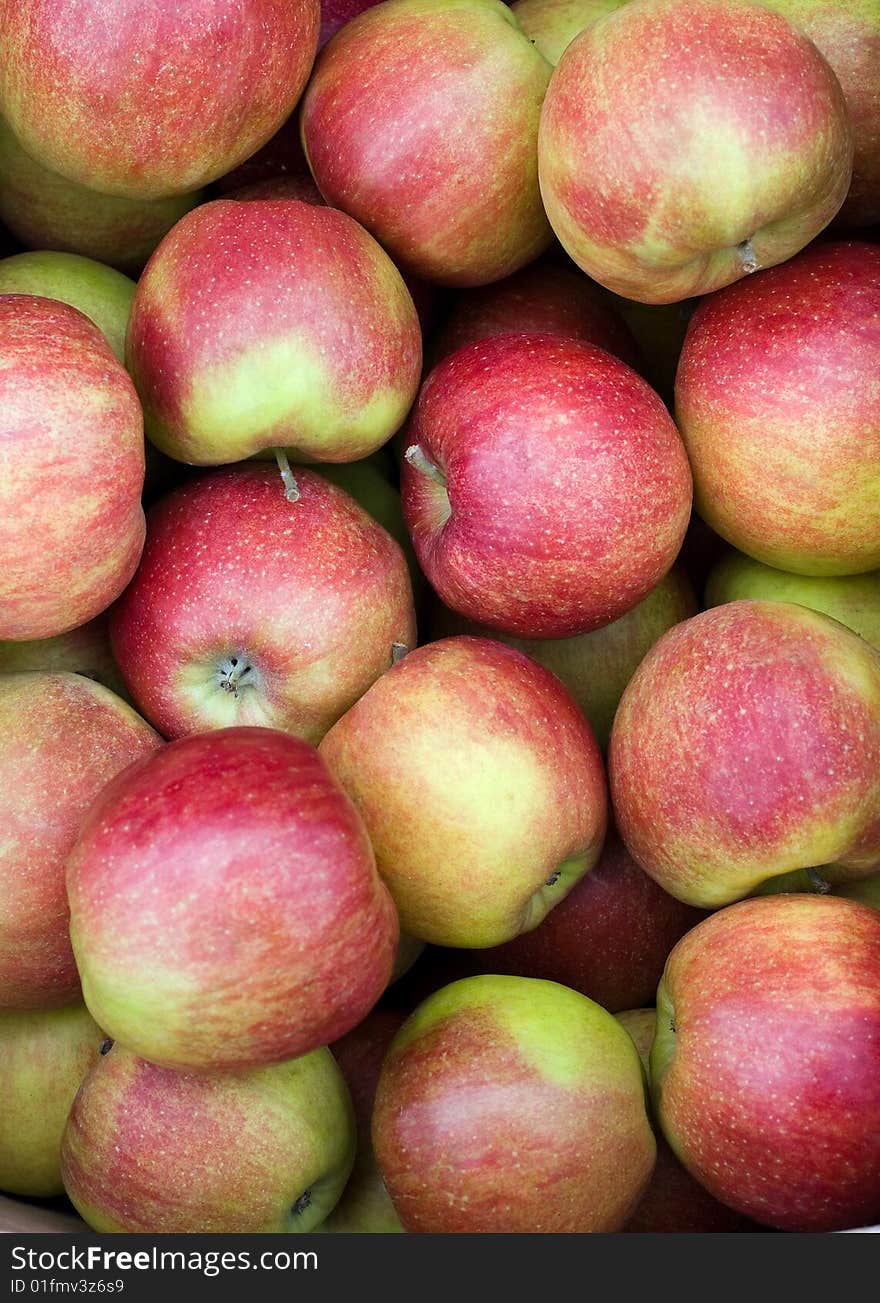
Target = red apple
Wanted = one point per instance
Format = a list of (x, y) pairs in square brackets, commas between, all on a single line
[(747, 745), (683, 146), (595, 667), (674, 1203), (766, 1062), (421, 120), (287, 325), (158, 97), (261, 1150), (248, 608), (235, 879), (47, 211), (543, 298), (533, 506), (64, 737), (778, 404), (511, 1105), (71, 470), (281, 156), (481, 787), (336, 13)]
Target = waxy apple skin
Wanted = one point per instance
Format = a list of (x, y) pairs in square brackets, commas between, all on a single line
[(481, 787), (766, 1062), (267, 1149), (84, 651), (778, 404), (421, 120), (71, 470), (64, 738), (102, 293), (158, 98), (553, 24), (272, 323), (747, 745), (44, 1056), (250, 609), (560, 490), (683, 146), (236, 880), (512, 1105)]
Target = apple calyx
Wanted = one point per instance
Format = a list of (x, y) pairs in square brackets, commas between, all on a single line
[(106, 1046), (291, 488), (416, 457), (235, 673), (299, 1206), (747, 256)]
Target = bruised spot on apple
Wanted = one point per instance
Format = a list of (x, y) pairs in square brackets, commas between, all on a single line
[(481, 786)]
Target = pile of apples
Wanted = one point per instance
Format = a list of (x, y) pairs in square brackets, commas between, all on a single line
[(455, 805)]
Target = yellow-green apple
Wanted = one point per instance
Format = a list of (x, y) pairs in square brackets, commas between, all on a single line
[(778, 403), (683, 146), (854, 600), (365, 1206), (71, 470), (46, 211), (507, 1104), (63, 738), (534, 508), (85, 651), (44, 1056), (101, 292), (273, 322), (766, 1062), (747, 745), (553, 24), (225, 909), (159, 98), (595, 667), (674, 1202), (609, 938), (848, 35), (260, 1150), (421, 120), (544, 298), (481, 787), (248, 608)]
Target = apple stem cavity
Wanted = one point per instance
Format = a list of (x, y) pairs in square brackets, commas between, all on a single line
[(417, 459), (291, 488), (818, 883), (748, 258)]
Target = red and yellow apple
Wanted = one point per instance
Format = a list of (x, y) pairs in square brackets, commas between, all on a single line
[(102, 293)]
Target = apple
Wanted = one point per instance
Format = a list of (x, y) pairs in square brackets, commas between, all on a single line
[(290, 185), (421, 120), (595, 667), (44, 1056), (103, 294), (46, 211), (683, 146), (84, 651), (336, 13), (248, 608), (366, 483), (544, 298), (225, 910), (481, 787), (64, 737), (766, 1063), (553, 24), (261, 1150), (71, 470), (747, 745), (777, 402), (659, 330), (866, 890), (609, 938), (281, 156), (365, 1206), (507, 1104), (854, 600), (848, 35), (674, 1203), (158, 98), (287, 325), (533, 507)]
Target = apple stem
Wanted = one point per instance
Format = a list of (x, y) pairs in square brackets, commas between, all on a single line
[(747, 257), (291, 489), (818, 883), (398, 651), (419, 462)]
